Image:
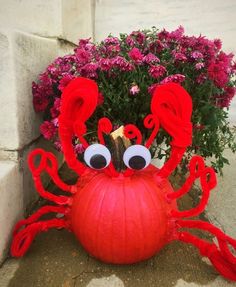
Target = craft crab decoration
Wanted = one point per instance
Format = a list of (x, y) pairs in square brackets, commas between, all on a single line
[(125, 217)]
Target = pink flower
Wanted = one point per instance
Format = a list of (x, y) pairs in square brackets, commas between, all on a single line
[(40, 97), (199, 66), (82, 56), (179, 56), (151, 59), (177, 78), (136, 55), (65, 80), (53, 70), (58, 61), (218, 44), (55, 122), (113, 49), (157, 46), (138, 36), (111, 41), (83, 42), (177, 34), (233, 67), (200, 44), (163, 35), (201, 79), (42, 88), (55, 110), (122, 63), (224, 100), (105, 64), (89, 70), (196, 55), (58, 145), (40, 103), (152, 88), (45, 79), (217, 73), (134, 90), (157, 71), (60, 66), (48, 130), (224, 60), (64, 68), (130, 41), (79, 148), (230, 91)]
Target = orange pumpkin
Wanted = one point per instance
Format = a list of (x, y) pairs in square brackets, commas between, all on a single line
[(122, 219)]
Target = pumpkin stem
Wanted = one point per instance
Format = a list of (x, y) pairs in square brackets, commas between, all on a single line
[(117, 142)]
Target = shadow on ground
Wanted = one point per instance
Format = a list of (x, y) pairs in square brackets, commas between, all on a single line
[(56, 259)]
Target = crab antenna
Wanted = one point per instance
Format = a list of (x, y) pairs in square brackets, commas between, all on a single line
[(172, 106), (131, 132), (104, 127), (79, 100), (151, 122), (80, 130)]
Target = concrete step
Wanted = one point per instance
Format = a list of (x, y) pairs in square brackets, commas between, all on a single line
[(11, 203), (17, 191)]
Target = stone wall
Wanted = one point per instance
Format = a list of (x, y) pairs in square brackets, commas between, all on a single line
[(32, 34)]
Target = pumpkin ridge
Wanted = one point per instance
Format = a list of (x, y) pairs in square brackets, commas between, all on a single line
[(125, 223), (85, 217), (158, 205), (95, 191), (147, 188), (112, 228), (110, 220), (141, 251), (147, 194), (99, 222)]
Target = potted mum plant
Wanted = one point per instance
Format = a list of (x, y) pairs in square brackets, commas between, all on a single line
[(127, 70)]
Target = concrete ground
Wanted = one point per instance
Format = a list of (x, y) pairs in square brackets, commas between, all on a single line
[(56, 259)]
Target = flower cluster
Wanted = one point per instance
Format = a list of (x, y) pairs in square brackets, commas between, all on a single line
[(127, 70)]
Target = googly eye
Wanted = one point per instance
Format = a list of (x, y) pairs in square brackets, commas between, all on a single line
[(137, 157), (97, 156)]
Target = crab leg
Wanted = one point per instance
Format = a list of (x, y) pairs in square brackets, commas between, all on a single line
[(48, 164), (208, 182), (22, 238), (220, 256), (196, 166)]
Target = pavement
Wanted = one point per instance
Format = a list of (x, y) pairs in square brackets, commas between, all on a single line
[(56, 259)]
